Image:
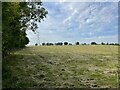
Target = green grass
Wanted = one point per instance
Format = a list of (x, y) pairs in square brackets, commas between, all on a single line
[(61, 67)]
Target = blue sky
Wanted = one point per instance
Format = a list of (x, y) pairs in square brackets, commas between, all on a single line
[(78, 21)]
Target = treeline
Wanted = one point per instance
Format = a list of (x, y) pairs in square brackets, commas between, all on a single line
[(77, 43), (59, 43), (17, 17), (102, 43)]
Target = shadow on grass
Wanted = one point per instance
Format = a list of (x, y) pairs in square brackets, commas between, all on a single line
[(9, 78)]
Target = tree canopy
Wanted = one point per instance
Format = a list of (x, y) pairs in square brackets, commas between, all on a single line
[(17, 17)]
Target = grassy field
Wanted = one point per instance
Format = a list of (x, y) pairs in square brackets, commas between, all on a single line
[(62, 67)]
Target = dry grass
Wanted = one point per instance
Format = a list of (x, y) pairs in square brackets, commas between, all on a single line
[(62, 66)]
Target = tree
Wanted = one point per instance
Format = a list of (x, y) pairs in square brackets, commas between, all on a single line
[(59, 43), (65, 43), (102, 43), (36, 44), (107, 43), (31, 13), (49, 44), (43, 44), (77, 43), (93, 43), (111, 44), (84, 44), (11, 34), (17, 17), (70, 43), (116, 44)]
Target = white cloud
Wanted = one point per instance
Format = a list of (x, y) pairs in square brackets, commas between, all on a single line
[(70, 17)]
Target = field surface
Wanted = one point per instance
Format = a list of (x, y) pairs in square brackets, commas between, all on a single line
[(62, 67)]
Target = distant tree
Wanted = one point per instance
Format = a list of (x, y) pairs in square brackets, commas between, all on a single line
[(47, 44), (36, 44), (93, 43), (55, 43), (65, 43), (102, 43), (51, 44), (70, 43), (111, 44), (43, 44), (84, 44), (107, 43), (77, 43), (59, 43), (116, 44)]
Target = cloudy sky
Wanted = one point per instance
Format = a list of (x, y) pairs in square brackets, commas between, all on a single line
[(78, 21)]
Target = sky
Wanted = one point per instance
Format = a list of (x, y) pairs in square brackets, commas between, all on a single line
[(84, 22)]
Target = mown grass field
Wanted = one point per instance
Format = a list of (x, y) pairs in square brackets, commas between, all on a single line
[(62, 67)]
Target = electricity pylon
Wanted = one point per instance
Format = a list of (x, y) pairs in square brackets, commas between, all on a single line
[(38, 36)]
